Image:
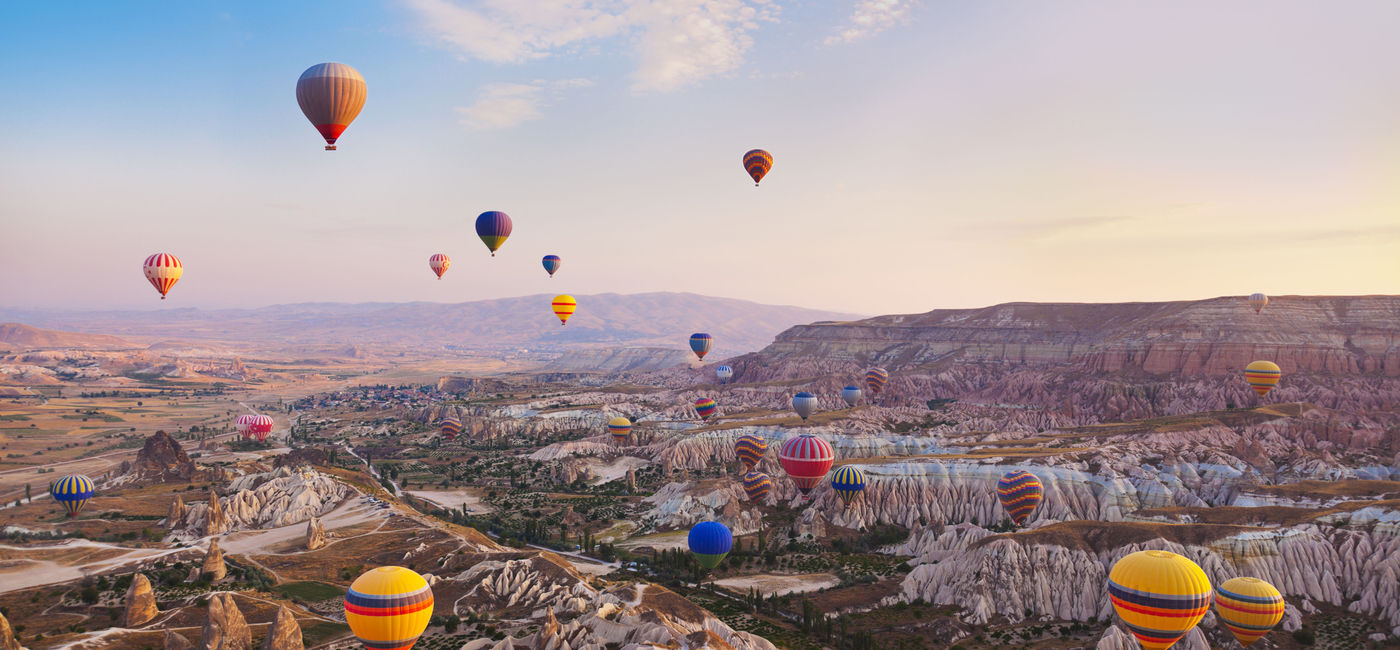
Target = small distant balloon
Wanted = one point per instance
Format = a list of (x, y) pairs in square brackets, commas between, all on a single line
[(260, 427), (875, 380), (804, 404), (710, 541), (493, 228), (564, 306), (848, 482), (757, 162), (552, 264), (450, 427), (73, 491), (1258, 301), (163, 270), (243, 424), (620, 427), (705, 408), (724, 373), (757, 485), (700, 343), (439, 263), (331, 96), (1262, 376), (750, 450), (1020, 492), (850, 395), (806, 459)]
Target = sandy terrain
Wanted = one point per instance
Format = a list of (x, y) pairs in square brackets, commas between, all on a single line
[(677, 539), (453, 499), (768, 583)]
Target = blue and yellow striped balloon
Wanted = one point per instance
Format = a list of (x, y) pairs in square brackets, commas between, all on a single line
[(848, 482), (73, 492), (1020, 492), (389, 607), (1248, 607), (757, 485), (1159, 595)]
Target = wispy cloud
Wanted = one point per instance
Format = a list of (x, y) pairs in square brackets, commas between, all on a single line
[(676, 42), (871, 17), (503, 105)]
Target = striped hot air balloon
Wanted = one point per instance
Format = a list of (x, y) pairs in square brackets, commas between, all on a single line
[(700, 343), (73, 491), (804, 403), (493, 228), (620, 427), (331, 96), (388, 608), (260, 427), (163, 270), (757, 162), (848, 482), (551, 264), (1020, 492), (705, 408), (806, 459), (1159, 595), (1262, 376), (724, 373), (875, 380), (1248, 607), (439, 263), (1258, 301), (710, 541), (757, 485), (450, 427), (851, 395), (564, 307), (244, 425), (750, 450)]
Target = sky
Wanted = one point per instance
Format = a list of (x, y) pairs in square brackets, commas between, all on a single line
[(927, 154)]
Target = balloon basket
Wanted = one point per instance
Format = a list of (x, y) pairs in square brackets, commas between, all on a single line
[(330, 147)]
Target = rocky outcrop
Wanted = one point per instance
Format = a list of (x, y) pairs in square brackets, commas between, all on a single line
[(177, 512), (309, 456), (175, 641), (215, 523), (315, 534), (282, 497), (678, 506), (284, 633), (7, 636), (226, 628), (163, 460), (213, 566), (140, 602), (1116, 638)]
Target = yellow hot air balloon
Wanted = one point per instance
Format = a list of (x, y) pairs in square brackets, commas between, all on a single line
[(1262, 376), (1248, 607), (564, 306), (388, 608), (1159, 595)]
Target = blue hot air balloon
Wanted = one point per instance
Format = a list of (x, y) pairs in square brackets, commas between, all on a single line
[(700, 344), (710, 541), (72, 491), (552, 264)]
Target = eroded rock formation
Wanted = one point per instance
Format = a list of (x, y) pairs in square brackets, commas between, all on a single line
[(7, 636), (284, 633), (226, 628), (140, 602), (315, 534), (282, 497), (213, 566)]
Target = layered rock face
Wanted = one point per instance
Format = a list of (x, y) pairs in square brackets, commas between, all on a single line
[(140, 602), (7, 636), (284, 633), (282, 497), (226, 628), (162, 460)]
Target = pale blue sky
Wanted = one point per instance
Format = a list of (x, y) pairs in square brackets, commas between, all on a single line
[(938, 154)]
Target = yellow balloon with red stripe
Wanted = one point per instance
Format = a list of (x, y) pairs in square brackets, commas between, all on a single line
[(1262, 376), (1248, 607), (1159, 595), (389, 607), (564, 307)]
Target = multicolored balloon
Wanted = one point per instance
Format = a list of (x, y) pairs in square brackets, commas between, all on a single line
[(620, 427), (851, 395), (710, 541), (388, 608), (1258, 301), (163, 270), (1248, 607), (260, 427), (493, 228), (1159, 595), (804, 403), (564, 306), (750, 450), (806, 459), (706, 408), (757, 162), (331, 95), (1020, 493), (439, 263), (700, 343), (73, 491), (450, 428), (848, 482), (551, 264), (757, 485), (1262, 376), (875, 380), (724, 373)]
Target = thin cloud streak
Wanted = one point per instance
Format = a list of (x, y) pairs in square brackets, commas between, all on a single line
[(870, 17), (504, 105)]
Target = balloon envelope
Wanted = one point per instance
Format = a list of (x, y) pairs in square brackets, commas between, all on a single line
[(804, 403), (439, 263), (710, 541), (1262, 376), (757, 485), (163, 270), (244, 425), (724, 373), (620, 427), (389, 607), (705, 408), (700, 343), (1248, 607), (564, 306), (1020, 492), (750, 450), (806, 459), (875, 380), (260, 427), (450, 427), (757, 162), (1159, 595), (551, 264), (73, 491), (1258, 301), (848, 482), (493, 228), (331, 96), (851, 395)]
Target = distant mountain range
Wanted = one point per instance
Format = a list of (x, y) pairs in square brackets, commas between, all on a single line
[(25, 337), (602, 321)]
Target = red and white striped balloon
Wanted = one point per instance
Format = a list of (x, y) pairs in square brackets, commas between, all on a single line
[(163, 270), (261, 426), (806, 459), (244, 425), (439, 263)]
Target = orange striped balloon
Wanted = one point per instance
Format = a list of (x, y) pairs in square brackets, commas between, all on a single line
[(439, 263), (1262, 376), (163, 270), (1248, 607), (564, 306)]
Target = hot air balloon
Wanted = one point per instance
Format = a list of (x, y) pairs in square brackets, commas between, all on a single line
[(244, 425), (388, 608), (700, 343), (875, 380), (493, 228), (1020, 492), (1262, 376), (750, 449), (331, 95), (804, 403), (620, 427), (1159, 595), (260, 427), (552, 264), (163, 270), (1248, 607), (806, 459), (439, 263), (710, 541), (851, 395), (450, 427), (1258, 301), (564, 306), (705, 408), (757, 162), (848, 482), (72, 491), (724, 373), (757, 485)]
